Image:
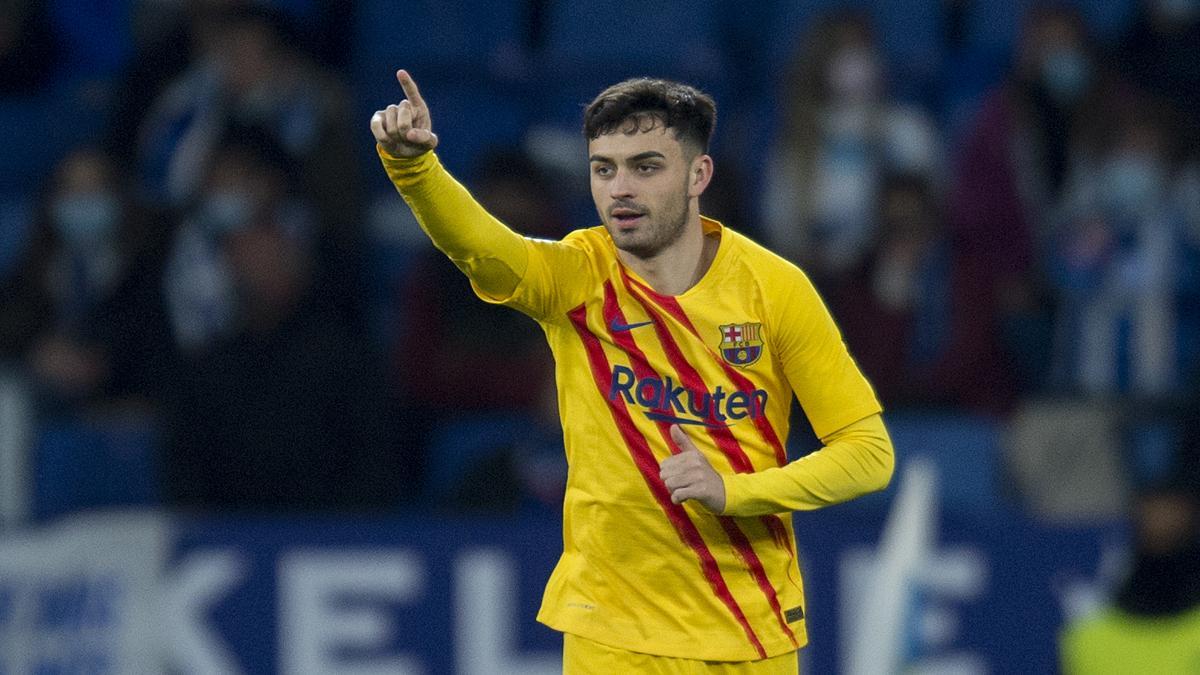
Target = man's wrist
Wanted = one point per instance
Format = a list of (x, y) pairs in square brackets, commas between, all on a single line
[(405, 171), (733, 488), (722, 495), (401, 160)]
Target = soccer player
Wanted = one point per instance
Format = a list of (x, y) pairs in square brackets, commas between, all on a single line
[(678, 345)]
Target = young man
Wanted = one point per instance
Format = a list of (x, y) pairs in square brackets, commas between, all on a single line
[(678, 552)]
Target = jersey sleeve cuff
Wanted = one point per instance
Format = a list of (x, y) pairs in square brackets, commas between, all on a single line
[(407, 171), (736, 492)]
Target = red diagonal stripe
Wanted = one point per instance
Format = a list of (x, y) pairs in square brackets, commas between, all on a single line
[(745, 550), (668, 303), (722, 435), (672, 307), (691, 379), (644, 460)]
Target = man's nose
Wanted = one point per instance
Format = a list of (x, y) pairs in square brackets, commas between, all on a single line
[(621, 187)]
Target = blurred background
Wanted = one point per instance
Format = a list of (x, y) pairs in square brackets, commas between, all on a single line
[(251, 421)]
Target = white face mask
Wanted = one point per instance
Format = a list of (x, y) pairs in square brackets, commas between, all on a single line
[(1133, 182), (853, 75), (1066, 74), (85, 220), (225, 211)]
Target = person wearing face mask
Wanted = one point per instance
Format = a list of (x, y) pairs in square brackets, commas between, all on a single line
[(86, 279), (1121, 264), (906, 311), (247, 183), (249, 72), (1012, 170), (277, 403), (1152, 625), (840, 135)]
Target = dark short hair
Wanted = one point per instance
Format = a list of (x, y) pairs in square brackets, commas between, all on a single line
[(643, 102)]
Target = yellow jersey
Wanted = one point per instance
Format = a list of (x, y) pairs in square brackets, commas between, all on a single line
[(723, 360)]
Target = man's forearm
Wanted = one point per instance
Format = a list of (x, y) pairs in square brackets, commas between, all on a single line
[(493, 256), (856, 460)]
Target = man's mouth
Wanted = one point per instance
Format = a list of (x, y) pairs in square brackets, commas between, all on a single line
[(626, 218)]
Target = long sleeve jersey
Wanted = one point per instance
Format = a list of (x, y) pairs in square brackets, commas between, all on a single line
[(723, 360)]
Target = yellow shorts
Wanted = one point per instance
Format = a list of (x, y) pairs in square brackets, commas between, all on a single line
[(585, 657)]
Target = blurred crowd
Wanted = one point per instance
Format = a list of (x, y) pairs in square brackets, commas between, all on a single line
[(196, 244)]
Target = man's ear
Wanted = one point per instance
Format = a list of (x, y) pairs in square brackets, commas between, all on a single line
[(700, 175)]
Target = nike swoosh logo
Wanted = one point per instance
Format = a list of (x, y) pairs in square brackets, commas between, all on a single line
[(617, 327), (660, 417)]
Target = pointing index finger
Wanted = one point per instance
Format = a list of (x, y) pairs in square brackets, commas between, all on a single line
[(410, 88)]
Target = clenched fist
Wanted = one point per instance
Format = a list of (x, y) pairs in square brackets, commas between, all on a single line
[(404, 129), (688, 475)]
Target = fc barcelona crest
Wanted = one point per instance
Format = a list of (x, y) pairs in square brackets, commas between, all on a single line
[(741, 343)]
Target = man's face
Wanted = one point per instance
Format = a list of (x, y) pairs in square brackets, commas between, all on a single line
[(642, 184)]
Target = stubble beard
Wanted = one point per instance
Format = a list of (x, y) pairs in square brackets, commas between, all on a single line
[(661, 234)]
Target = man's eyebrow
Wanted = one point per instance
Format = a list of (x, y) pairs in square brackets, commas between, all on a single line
[(636, 158), (647, 155)]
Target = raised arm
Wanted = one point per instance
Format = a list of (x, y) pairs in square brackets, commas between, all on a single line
[(493, 256)]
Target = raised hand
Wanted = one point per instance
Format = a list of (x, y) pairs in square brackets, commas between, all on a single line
[(688, 475), (404, 129)]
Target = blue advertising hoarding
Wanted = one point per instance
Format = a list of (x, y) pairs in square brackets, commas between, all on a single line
[(429, 595)]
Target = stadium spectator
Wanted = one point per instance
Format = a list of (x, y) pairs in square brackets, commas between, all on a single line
[(83, 311), (1012, 168), (840, 135), (248, 178), (250, 73), (907, 312), (285, 407), (168, 39), (1124, 264), (1153, 623)]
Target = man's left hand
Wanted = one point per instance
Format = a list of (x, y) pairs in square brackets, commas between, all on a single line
[(688, 475)]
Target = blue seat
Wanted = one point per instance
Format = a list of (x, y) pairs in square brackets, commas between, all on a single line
[(963, 447), (994, 26), (425, 36), (97, 35), (81, 465), (589, 46), (618, 33), (459, 443)]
